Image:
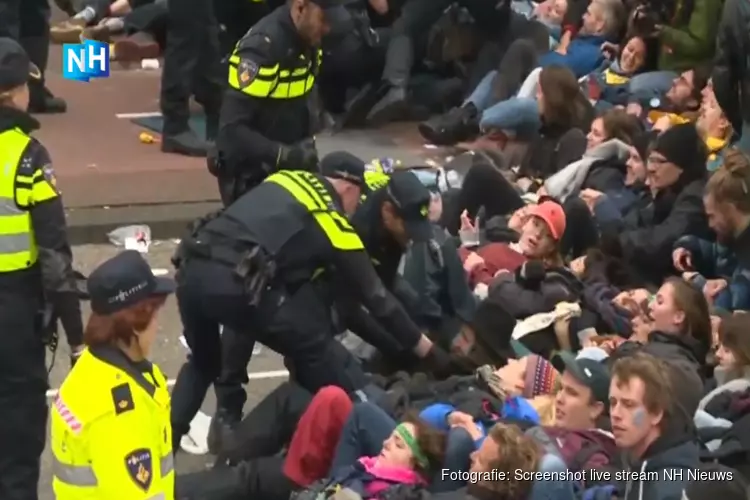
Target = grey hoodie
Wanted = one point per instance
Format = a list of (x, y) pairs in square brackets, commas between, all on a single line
[(569, 180)]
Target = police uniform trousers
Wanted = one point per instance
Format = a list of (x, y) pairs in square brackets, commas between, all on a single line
[(23, 384), (192, 63), (30, 26), (295, 323)]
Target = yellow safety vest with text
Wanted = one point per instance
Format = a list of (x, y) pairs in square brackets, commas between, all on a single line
[(18, 249), (308, 190), (275, 82), (111, 438)]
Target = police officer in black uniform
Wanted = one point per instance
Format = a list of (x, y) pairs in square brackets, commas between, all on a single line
[(192, 66), (265, 266), (27, 21), (268, 115), (36, 278)]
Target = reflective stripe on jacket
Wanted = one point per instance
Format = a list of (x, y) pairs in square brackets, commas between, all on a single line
[(111, 436), (17, 246)]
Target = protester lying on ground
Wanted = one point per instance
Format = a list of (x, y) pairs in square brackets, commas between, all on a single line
[(676, 172), (721, 269), (678, 104)]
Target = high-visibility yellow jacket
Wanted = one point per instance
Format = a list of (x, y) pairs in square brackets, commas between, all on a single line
[(111, 434)]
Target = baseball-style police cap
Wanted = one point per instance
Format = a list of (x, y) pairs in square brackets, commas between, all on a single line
[(15, 66), (591, 373), (412, 201), (124, 280), (346, 166), (327, 4)]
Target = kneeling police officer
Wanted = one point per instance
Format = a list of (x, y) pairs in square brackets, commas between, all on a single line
[(266, 266)]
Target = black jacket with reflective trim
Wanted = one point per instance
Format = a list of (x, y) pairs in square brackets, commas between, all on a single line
[(252, 128)]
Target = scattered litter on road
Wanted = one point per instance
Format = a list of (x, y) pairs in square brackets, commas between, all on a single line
[(160, 272), (147, 138), (150, 64), (135, 237), (430, 146)]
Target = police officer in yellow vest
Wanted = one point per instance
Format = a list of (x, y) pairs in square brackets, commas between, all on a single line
[(36, 278), (111, 435), (268, 115), (264, 266)]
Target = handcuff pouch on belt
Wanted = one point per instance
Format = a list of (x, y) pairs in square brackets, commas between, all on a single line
[(257, 270)]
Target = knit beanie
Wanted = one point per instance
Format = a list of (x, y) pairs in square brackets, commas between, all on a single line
[(540, 377), (717, 484), (683, 146)]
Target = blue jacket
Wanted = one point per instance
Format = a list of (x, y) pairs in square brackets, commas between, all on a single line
[(713, 260), (514, 408), (584, 55)]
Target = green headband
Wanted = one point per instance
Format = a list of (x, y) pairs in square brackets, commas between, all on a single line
[(412, 444)]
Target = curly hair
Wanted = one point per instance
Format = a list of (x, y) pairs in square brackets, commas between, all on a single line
[(517, 452)]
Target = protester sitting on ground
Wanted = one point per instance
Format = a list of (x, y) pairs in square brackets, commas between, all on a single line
[(643, 410), (721, 270), (102, 15), (676, 178)]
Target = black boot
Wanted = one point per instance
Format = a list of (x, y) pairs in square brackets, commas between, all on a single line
[(185, 143), (360, 105), (221, 430), (41, 100), (392, 107), (458, 124)]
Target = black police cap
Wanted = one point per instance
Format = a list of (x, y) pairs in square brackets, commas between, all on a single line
[(15, 66), (412, 201), (123, 281), (344, 165)]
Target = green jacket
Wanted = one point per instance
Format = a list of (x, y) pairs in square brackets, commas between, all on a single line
[(685, 45)]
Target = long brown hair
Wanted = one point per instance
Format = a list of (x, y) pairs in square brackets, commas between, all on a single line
[(620, 125), (693, 304), (122, 325), (561, 96), (733, 335)]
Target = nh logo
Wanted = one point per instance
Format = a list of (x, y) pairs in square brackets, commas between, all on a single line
[(82, 61)]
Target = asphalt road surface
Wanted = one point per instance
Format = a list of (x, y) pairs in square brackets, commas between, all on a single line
[(168, 353)]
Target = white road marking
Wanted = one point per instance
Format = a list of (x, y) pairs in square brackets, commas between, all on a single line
[(130, 116), (251, 375)]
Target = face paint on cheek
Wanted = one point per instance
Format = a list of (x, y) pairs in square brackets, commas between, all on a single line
[(639, 417)]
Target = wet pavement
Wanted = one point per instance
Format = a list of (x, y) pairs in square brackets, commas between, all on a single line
[(168, 353)]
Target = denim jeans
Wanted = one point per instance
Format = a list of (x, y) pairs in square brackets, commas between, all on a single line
[(369, 425), (518, 114)]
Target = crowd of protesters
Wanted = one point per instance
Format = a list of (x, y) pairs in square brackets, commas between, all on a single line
[(590, 260)]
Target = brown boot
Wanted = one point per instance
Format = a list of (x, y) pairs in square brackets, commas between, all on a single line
[(136, 47), (67, 31), (100, 33)]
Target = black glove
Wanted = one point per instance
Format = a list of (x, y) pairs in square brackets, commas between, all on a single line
[(300, 156), (531, 274)]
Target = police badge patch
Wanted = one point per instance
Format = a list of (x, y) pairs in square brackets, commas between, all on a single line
[(140, 465), (49, 176), (247, 70)]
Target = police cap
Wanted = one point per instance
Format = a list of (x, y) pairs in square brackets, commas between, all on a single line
[(346, 166), (412, 201), (327, 4), (15, 66), (124, 280)]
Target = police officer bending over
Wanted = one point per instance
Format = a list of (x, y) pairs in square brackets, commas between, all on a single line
[(36, 278), (267, 117), (264, 266), (110, 435)]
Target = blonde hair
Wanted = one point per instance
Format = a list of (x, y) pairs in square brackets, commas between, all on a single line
[(545, 408)]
